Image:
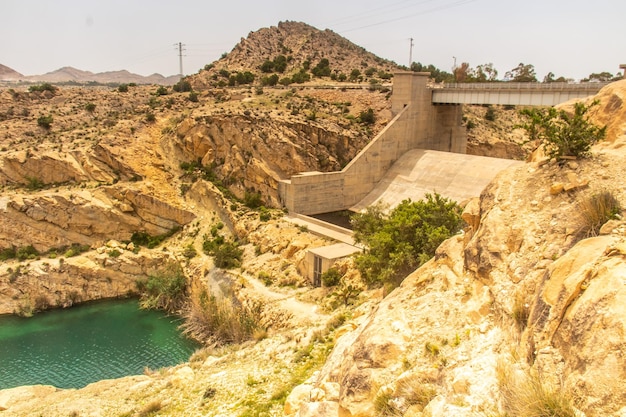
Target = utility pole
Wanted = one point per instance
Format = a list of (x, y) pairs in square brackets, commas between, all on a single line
[(180, 46), (411, 54)]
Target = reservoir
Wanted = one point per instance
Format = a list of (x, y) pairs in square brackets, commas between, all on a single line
[(75, 347)]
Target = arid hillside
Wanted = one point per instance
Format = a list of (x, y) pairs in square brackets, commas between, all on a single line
[(103, 187)]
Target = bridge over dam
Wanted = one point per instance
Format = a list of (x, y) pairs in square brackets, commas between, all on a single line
[(422, 149)]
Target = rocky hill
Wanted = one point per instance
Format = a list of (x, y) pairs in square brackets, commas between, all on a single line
[(9, 74), (302, 47)]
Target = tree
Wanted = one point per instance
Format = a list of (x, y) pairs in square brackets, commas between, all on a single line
[(563, 134), (602, 77), (485, 73), (435, 73), (404, 239), (522, 74), (462, 72), (322, 69)]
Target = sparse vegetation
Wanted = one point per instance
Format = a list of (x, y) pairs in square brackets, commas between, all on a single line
[(563, 134), (596, 209), (226, 253), (45, 121), (165, 290), (218, 321), (525, 394)]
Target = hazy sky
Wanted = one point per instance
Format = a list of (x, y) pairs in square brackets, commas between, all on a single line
[(570, 38)]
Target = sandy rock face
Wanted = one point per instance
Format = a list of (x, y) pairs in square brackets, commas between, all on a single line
[(62, 282), (579, 323), (48, 220)]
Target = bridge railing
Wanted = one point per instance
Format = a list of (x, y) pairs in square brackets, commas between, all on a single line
[(558, 86)]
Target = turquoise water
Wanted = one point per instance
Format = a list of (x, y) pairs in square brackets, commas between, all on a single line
[(75, 347)]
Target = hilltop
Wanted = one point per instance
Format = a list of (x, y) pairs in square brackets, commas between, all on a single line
[(291, 47)]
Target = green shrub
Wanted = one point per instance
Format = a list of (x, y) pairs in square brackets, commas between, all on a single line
[(45, 121), (161, 91), (252, 200), (90, 107), (150, 117), (34, 183), (26, 252), (164, 290), (75, 250), (183, 86), (226, 253), (331, 277), (193, 97), (399, 242), (490, 114), (322, 69), (123, 88), (142, 238), (563, 134), (42, 87), (367, 117), (8, 253)]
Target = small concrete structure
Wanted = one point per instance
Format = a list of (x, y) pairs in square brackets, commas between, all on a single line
[(320, 260), (623, 67)]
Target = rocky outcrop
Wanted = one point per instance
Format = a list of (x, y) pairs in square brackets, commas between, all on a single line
[(254, 153), (87, 217), (99, 164), (522, 279), (110, 272)]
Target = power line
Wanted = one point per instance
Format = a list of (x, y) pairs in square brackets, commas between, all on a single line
[(434, 9)]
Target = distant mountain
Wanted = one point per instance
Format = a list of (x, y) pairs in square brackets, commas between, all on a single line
[(9, 74), (70, 74)]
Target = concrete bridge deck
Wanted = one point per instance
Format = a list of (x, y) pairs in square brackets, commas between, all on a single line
[(458, 177), (517, 94)]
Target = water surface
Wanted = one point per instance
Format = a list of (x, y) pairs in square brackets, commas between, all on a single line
[(75, 347)]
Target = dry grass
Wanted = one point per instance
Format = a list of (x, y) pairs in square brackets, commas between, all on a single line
[(524, 394), (151, 408), (220, 321), (595, 210)]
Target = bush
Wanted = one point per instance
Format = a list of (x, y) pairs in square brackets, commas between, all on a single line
[(561, 133), (161, 91), (26, 252), (527, 395), (165, 290), (45, 121), (490, 114), (193, 97), (597, 209), (222, 321), (42, 87), (90, 107), (404, 239), (331, 277), (367, 117), (226, 254), (142, 238), (183, 86), (123, 88), (252, 200)]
